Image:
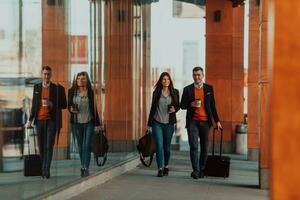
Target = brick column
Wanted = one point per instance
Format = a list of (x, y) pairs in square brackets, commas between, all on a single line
[(264, 100), (285, 115), (123, 75), (253, 135), (258, 86), (224, 64), (146, 71), (55, 54)]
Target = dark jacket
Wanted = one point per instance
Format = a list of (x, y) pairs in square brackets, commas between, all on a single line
[(188, 96), (92, 106), (154, 105), (58, 98)]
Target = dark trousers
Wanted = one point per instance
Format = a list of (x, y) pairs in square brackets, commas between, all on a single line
[(46, 137), (198, 129)]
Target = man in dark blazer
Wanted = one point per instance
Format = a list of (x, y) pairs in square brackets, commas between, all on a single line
[(48, 101), (198, 100)]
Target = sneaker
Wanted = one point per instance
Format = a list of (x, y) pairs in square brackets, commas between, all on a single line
[(160, 173), (166, 171)]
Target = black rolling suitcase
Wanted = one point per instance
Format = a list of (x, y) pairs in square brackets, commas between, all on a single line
[(217, 166), (32, 162)]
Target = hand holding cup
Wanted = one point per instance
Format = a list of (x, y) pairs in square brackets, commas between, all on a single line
[(196, 103), (47, 103), (171, 108), (74, 108)]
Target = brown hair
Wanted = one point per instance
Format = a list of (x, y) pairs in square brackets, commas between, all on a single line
[(198, 69), (46, 67)]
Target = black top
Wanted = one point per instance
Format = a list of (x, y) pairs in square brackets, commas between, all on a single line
[(93, 109), (188, 96), (58, 98), (154, 105)]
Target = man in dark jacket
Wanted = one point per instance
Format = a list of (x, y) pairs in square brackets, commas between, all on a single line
[(198, 100), (48, 101)]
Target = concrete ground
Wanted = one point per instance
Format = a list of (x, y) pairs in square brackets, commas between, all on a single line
[(142, 183)]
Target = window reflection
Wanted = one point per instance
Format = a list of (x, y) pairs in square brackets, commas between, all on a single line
[(9, 38), (20, 55), (20, 65)]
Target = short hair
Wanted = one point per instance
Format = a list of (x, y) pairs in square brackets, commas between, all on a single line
[(198, 68), (46, 67)]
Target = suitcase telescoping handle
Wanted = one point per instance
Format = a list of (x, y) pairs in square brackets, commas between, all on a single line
[(221, 142), (31, 128)]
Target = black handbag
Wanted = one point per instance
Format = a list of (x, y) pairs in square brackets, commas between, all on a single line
[(100, 146), (32, 162), (146, 147)]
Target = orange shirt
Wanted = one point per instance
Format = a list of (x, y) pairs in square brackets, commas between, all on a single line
[(43, 112), (200, 113)]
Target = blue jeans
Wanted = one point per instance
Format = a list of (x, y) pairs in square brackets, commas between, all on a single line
[(162, 134), (46, 137), (84, 133), (198, 129)]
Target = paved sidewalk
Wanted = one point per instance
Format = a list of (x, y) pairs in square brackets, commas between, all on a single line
[(142, 184)]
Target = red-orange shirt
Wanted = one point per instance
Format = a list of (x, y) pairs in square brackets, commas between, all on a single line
[(200, 113), (43, 112)]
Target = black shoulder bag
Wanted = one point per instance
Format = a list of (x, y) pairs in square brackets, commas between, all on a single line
[(146, 147)]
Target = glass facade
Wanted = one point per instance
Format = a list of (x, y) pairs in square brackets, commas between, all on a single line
[(71, 37), (20, 55)]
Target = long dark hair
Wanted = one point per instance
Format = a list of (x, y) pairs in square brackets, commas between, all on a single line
[(159, 86), (74, 87)]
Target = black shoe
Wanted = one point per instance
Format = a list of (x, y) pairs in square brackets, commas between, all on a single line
[(86, 172), (47, 173), (160, 173), (166, 171), (43, 173), (201, 175), (82, 172), (194, 175)]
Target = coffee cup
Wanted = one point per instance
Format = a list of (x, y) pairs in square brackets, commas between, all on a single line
[(198, 103), (75, 108), (169, 107), (45, 102)]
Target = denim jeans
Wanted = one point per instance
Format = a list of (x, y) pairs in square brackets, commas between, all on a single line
[(162, 134), (84, 133), (46, 137), (198, 129)]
